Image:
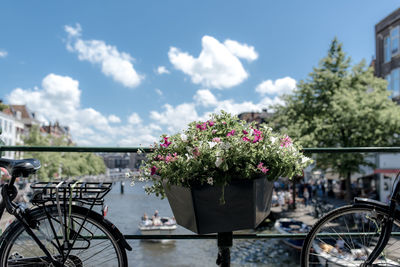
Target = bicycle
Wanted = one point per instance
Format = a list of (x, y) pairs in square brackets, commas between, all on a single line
[(366, 233), (61, 229)]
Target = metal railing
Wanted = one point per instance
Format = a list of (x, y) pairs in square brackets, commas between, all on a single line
[(195, 236)]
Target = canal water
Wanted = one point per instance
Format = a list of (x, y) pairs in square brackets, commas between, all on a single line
[(125, 211)]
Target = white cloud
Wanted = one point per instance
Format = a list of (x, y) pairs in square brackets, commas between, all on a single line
[(280, 86), (59, 100), (114, 119), (134, 118), (3, 53), (162, 70), (241, 50), (205, 98), (115, 64), (159, 92), (216, 66), (175, 118)]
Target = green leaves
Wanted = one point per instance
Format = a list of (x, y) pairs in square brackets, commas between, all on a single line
[(56, 164), (221, 149), (339, 106)]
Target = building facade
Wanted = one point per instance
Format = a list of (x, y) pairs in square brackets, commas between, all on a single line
[(387, 45), (8, 136)]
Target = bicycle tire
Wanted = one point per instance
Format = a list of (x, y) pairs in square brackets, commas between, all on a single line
[(100, 252), (348, 248)]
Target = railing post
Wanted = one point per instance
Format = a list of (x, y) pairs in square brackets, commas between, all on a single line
[(224, 245), (122, 187)]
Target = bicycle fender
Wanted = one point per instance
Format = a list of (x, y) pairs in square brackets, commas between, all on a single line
[(370, 202), (119, 235)]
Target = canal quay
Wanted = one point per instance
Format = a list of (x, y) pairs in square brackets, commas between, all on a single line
[(125, 211)]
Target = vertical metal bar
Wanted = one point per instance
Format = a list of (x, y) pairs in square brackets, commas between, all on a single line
[(225, 241)]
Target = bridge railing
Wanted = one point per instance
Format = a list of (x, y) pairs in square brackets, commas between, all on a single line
[(195, 236)]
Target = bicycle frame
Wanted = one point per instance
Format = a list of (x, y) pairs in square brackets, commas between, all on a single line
[(387, 222), (7, 204)]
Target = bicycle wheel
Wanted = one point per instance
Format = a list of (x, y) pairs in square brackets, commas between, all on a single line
[(18, 248), (346, 236)]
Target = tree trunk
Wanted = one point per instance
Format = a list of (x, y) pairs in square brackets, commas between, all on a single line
[(293, 205), (349, 193)]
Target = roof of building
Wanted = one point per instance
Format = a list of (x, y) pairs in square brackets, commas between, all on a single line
[(388, 20), (23, 109)]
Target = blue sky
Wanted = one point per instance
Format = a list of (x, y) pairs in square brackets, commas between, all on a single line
[(120, 73)]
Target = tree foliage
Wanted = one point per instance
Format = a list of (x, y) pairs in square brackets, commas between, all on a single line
[(340, 106), (65, 164)]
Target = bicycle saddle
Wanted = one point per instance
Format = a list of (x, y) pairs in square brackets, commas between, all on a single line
[(22, 167)]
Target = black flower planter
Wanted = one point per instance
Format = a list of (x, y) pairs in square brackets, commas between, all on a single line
[(247, 204)]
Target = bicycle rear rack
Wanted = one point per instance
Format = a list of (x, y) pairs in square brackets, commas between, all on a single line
[(90, 193)]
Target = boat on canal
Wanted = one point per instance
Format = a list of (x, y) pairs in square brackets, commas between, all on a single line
[(157, 225), (292, 226)]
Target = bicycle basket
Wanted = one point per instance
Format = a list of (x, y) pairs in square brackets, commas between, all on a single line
[(90, 193)]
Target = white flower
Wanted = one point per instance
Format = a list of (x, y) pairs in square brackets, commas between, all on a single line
[(210, 180), (127, 175), (212, 144), (251, 132), (225, 146), (188, 157), (218, 161), (305, 159), (272, 139), (139, 152), (184, 137)]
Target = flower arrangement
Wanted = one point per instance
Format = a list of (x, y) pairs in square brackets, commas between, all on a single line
[(218, 150)]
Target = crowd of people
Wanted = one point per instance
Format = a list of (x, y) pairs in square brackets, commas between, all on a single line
[(305, 192)]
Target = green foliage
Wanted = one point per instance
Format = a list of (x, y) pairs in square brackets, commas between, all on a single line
[(55, 164), (219, 150), (3, 106), (339, 106)]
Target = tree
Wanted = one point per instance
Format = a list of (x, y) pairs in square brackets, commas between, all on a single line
[(339, 106), (56, 164)]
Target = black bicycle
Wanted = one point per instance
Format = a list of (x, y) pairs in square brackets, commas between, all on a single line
[(366, 233), (61, 228)]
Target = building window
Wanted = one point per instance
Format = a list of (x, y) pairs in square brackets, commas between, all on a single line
[(393, 80), (394, 37), (386, 49), (388, 78)]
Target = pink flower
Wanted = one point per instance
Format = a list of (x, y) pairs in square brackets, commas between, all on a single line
[(202, 126), (261, 167), (170, 158), (257, 138), (257, 135), (166, 143), (257, 132), (246, 139), (216, 139), (244, 132), (159, 157), (211, 123), (286, 141), (231, 133), (196, 152), (214, 131), (153, 170)]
